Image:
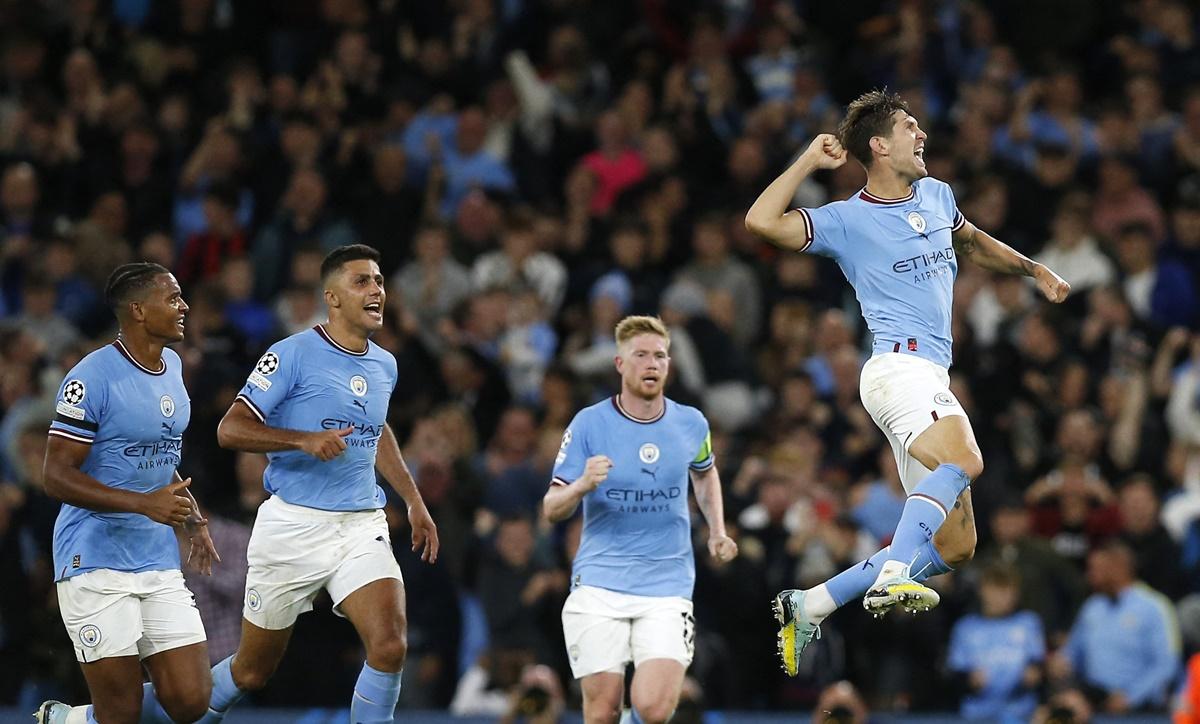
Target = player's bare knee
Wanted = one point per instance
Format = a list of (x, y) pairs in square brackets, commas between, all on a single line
[(388, 652), (188, 706), (971, 463), (656, 711), (250, 678)]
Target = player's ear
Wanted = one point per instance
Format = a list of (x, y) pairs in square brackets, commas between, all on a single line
[(879, 145), (331, 299), (136, 311)]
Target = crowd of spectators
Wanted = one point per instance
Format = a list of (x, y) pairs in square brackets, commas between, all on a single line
[(533, 170)]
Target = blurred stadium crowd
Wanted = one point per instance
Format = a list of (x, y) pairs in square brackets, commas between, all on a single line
[(532, 170)]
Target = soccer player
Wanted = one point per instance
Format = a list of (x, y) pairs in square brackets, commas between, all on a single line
[(111, 458), (628, 460), (316, 403), (898, 242)]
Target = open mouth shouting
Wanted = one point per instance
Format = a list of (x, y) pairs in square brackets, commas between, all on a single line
[(374, 310)]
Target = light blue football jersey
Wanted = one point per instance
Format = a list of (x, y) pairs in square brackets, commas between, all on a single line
[(636, 529), (134, 419), (309, 382), (899, 257)]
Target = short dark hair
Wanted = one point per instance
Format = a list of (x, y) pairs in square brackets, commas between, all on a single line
[(340, 256), (129, 281), (868, 116), (1001, 574)]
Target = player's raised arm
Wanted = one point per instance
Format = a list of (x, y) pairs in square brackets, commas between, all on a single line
[(994, 255), (242, 429), (390, 462), (562, 499), (770, 216), (64, 481)]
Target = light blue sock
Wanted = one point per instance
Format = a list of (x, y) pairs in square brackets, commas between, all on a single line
[(152, 711), (224, 693), (375, 696), (926, 509), (634, 717), (852, 583), (91, 715)]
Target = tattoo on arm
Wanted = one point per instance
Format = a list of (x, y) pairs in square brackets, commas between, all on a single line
[(964, 241)]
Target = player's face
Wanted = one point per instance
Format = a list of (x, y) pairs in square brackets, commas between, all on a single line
[(643, 364), (356, 294), (163, 309), (907, 147)]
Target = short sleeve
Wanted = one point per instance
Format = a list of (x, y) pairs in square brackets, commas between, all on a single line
[(824, 232), (270, 380), (704, 456), (80, 404), (572, 453), (959, 221)]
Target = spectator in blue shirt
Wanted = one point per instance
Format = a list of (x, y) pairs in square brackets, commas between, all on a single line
[(999, 651), (1124, 648), (467, 164)]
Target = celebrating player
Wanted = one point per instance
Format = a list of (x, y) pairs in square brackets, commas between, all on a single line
[(628, 459), (317, 404), (898, 242), (111, 457)]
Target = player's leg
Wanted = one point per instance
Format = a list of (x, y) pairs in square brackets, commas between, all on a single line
[(598, 633), (910, 400), (182, 683), (377, 612), (951, 440), (603, 694), (663, 640), (103, 618), (654, 692), (173, 650), (367, 588)]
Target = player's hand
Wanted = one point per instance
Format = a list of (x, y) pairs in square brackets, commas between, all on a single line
[(167, 505), (202, 552), (424, 532), (595, 472), (326, 444), (722, 548), (1051, 285), (826, 152)]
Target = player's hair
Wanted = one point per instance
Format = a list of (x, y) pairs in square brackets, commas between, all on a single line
[(1002, 575), (129, 281), (342, 255), (868, 116), (630, 327)]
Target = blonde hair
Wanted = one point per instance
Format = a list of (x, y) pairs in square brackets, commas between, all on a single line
[(630, 327)]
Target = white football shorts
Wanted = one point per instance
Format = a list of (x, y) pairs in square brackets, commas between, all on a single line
[(115, 613), (295, 551), (905, 394), (605, 630)]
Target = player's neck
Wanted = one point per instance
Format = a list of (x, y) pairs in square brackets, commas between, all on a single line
[(145, 350), (884, 183), (351, 339), (640, 407)]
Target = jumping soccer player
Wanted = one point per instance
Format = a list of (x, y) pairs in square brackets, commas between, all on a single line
[(111, 458), (317, 404), (898, 242), (628, 459)]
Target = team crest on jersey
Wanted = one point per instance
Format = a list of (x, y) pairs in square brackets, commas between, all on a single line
[(267, 364), (167, 405), (917, 222), (74, 392), (253, 600), (648, 453), (358, 385), (90, 636), (944, 398)]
